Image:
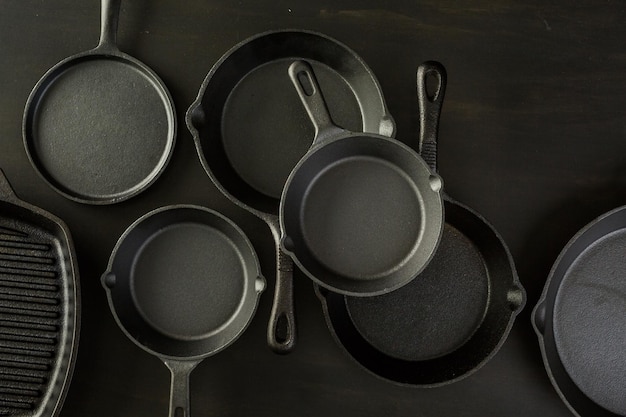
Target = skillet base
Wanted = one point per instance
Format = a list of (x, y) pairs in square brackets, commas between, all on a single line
[(98, 128), (262, 152), (188, 280), (447, 322), (588, 321), (434, 314), (354, 202)]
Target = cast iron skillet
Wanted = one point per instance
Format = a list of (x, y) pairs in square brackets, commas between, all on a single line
[(99, 127), (580, 319), (361, 214), (39, 308), (183, 282), (452, 318), (250, 131)]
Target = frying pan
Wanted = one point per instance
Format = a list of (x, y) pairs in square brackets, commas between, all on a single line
[(361, 214), (579, 319), (39, 308), (250, 131), (455, 315), (183, 282), (99, 127)]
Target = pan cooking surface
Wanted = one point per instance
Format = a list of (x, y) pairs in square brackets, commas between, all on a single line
[(589, 325), (188, 280), (266, 131), (362, 217), (100, 128), (434, 314)]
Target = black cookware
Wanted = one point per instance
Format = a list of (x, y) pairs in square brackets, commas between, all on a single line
[(100, 126), (361, 214), (183, 282), (39, 308), (580, 319), (454, 316), (250, 131)]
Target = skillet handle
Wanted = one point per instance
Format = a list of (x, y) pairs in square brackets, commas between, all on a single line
[(310, 93), (430, 104), (108, 24), (179, 387), (281, 330)]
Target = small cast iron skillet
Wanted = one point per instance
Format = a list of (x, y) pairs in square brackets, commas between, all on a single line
[(183, 282), (455, 315), (361, 214), (250, 131), (580, 319), (100, 126)]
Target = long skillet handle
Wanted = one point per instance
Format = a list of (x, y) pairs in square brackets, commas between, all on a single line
[(430, 109), (281, 331), (179, 387), (108, 27), (305, 82)]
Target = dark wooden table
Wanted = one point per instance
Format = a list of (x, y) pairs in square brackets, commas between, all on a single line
[(532, 136)]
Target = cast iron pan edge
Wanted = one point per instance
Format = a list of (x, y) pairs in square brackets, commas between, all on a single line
[(542, 321), (65, 365), (453, 366)]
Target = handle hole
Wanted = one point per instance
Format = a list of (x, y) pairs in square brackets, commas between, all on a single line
[(282, 329), (305, 82), (432, 84), (179, 412)]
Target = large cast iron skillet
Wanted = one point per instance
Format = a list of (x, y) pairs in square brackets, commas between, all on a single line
[(454, 316), (100, 126), (183, 282), (580, 319), (250, 130), (361, 214), (39, 308)]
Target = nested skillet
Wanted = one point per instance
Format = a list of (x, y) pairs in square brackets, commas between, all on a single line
[(361, 214), (250, 130), (455, 315)]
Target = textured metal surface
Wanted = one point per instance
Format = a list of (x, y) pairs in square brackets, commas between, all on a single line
[(578, 319), (183, 283), (532, 137), (39, 307), (250, 131), (455, 315), (100, 126), (361, 214)]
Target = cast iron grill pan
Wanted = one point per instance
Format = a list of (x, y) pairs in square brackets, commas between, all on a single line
[(38, 303)]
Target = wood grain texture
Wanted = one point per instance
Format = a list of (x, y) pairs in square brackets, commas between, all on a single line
[(533, 136)]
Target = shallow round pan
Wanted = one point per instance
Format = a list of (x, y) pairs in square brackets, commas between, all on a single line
[(99, 127), (580, 319), (183, 283)]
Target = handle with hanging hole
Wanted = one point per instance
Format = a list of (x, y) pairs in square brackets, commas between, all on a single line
[(430, 104)]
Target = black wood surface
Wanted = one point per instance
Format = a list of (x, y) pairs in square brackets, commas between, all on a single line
[(532, 136)]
